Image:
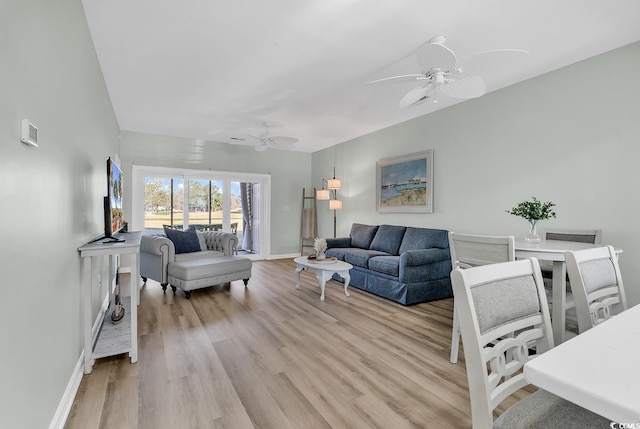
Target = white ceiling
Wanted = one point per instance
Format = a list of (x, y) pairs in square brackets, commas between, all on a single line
[(214, 69)]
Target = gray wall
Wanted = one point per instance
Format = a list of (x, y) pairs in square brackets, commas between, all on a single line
[(290, 172), (51, 198), (571, 136)]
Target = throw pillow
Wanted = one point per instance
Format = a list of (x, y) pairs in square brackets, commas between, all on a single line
[(361, 235), (203, 243), (388, 239), (184, 241), (424, 238)]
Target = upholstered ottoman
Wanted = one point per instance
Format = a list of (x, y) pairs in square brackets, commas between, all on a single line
[(198, 273)]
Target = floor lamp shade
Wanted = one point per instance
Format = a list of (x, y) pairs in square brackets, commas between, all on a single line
[(335, 205), (334, 183), (322, 194)]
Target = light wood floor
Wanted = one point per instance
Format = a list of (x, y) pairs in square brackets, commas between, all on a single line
[(271, 356)]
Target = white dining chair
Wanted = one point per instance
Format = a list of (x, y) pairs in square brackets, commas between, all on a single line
[(597, 285), (503, 312), (469, 250), (592, 236)]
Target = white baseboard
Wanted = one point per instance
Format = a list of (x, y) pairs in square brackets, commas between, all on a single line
[(62, 413)]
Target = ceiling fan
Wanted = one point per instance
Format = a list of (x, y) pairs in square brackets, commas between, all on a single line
[(267, 141), (440, 71)]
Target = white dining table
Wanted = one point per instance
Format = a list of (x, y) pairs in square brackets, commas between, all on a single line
[(553, 250), (597, 370)]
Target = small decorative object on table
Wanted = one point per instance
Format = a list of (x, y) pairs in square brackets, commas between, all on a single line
[(533, 211), (320, 246)]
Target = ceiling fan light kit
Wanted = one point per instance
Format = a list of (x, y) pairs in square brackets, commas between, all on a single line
[(440, 70)]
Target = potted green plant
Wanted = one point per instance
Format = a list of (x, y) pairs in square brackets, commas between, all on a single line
[(533, 211)]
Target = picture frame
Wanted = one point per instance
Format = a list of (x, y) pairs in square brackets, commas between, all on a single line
[(404, 184)]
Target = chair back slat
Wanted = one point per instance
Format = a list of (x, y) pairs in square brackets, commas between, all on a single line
[(473, 250), (593, 236)]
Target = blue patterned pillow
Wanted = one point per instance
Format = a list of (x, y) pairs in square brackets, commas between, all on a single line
[(184, 241)]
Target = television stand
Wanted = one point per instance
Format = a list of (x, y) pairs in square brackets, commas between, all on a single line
[(112, 239), (107, 240), (109, 339)]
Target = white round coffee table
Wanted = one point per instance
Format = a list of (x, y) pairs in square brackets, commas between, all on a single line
[(324, 271)]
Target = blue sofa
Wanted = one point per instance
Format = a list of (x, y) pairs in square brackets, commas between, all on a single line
[(404, 264)]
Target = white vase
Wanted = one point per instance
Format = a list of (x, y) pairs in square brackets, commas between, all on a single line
[(320, 256)]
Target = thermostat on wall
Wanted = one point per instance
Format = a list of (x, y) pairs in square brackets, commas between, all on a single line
[(28, 133)]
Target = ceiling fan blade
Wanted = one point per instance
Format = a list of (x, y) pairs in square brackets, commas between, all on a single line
[(415, 95), (485, 63), (465, 87), (420, 102), (242, 142), (435, 56), (399, 79), (283, 141)]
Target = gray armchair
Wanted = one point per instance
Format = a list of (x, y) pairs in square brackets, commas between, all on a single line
[(157, 252)]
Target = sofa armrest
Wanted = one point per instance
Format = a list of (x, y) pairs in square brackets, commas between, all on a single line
[(156, 251), (425, 265), (157, 245), (414, 258), (224, 242), (338, 242)]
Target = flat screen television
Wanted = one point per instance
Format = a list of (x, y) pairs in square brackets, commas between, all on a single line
[(113, 216)]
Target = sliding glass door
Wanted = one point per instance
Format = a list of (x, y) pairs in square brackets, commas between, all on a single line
[(205, 204), (204, 200), (163, 202)]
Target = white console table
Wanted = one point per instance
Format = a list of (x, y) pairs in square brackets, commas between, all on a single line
[(111, 339)]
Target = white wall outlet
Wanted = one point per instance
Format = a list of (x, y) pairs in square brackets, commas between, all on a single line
[(28, 133), (99, 280)]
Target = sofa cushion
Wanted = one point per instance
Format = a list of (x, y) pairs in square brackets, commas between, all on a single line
[(424, 238), (360, 257), (184, 241), (385, 264), (209, 267), (338, 252), (198, 255), (388, 239), (362, 235)]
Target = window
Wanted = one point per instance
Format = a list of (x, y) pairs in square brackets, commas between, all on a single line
[(231, 202)]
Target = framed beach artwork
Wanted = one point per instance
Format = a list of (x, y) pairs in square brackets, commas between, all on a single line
[(405, 183)]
